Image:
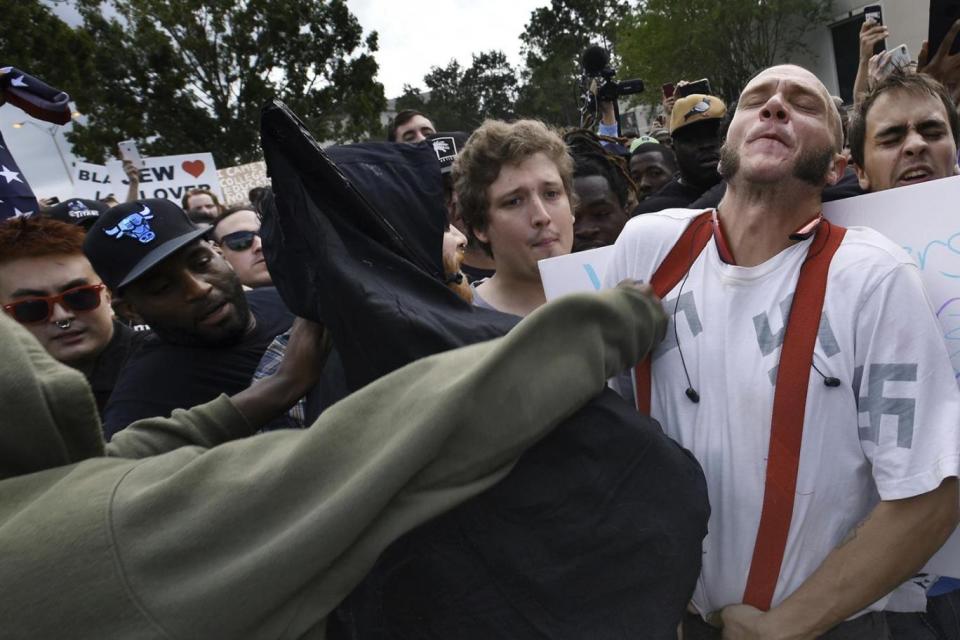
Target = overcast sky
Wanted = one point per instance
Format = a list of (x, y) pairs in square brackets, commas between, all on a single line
[(415, 35)]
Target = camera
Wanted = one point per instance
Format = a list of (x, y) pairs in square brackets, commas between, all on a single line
[(595, 62)]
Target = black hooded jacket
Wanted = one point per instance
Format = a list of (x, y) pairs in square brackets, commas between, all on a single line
[(595, 533)]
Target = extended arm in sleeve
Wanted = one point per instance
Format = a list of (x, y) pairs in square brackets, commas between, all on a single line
[(267, 534)]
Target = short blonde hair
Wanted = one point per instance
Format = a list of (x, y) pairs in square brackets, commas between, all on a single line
[(494, 144)]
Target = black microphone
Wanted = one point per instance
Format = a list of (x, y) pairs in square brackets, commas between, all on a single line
[(594, 60), (695, 397)]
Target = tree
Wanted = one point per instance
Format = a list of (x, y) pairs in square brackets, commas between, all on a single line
[(726, 42), (41, 44), (553, 41), (461, 99), (491, 85), (191, 75), (411, 98)]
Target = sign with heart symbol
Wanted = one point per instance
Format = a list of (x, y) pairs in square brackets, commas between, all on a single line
[(169, 177), (193, 167)]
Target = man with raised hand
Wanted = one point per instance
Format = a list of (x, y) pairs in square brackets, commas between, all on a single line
[(806, 371)]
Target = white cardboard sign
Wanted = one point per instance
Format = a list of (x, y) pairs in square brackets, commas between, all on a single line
[(237, 181), (168, 177), (92, 182), (581, 271)]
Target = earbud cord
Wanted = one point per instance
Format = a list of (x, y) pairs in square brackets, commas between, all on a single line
[(690, 392)]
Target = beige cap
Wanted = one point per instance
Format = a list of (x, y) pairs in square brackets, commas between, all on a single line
[(694, 108)]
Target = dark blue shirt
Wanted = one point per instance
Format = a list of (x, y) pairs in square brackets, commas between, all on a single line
[(161, 377)]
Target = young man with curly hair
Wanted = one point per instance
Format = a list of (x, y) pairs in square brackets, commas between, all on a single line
[(514, 191)]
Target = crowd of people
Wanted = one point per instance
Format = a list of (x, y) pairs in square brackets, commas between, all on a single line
[(752, 432)]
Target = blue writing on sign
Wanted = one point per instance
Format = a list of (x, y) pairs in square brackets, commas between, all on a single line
[(592, 274)]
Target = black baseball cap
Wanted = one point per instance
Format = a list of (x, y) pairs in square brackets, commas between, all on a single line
[(76, 211), (447, 145), (131, 238)]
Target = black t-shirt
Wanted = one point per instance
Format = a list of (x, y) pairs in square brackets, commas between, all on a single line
[(674, 194), (475, 273), (106, 370), (161, 377)]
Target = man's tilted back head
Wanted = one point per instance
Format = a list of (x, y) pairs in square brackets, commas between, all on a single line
[(786, 127)]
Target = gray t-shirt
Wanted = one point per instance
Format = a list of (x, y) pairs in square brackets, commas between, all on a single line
[(478, 300)]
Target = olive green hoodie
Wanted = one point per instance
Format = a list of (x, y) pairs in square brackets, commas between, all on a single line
[(185, 528)]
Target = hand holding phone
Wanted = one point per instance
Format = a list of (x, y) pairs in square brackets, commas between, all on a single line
[(873, 15), (700, 86), (128, 151), (898, 61), (940, 55), (943, 14)]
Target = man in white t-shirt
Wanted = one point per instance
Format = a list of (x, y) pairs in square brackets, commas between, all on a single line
[(876, 490)]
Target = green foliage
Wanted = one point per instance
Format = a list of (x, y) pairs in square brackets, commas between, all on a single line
[(191, 75), (461, 99), (726, 42), (411, 98), (38, 42), (553, 41)]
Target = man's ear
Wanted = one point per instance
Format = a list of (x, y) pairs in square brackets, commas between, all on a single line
[(481, 235), (862, 177), (126, 311), (838, 167)]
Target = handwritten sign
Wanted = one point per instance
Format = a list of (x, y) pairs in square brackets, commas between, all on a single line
[(237, 181), (171, 177), (165, 177), (93, 182), (581, 271)]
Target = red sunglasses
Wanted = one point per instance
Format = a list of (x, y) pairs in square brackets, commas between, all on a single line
[(32, 310)]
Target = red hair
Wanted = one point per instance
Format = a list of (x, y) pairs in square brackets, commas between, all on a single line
[(36, 236)]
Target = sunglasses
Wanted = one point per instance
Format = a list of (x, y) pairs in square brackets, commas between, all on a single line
[(239, 240), (32, 310)]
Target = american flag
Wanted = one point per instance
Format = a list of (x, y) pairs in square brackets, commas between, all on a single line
[(41, 101), (16, 197)]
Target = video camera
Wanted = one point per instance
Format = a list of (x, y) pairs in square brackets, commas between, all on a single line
[(595, 62)]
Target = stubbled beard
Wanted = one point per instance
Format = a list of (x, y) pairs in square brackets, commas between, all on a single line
[(227, 337), (811, 167), (451, 268)]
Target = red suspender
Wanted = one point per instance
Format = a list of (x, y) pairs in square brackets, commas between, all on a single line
[(667, 276), (790, 393), (786, 429)]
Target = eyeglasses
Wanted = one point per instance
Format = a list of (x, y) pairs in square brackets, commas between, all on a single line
[(239, 240), (32, 310)]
